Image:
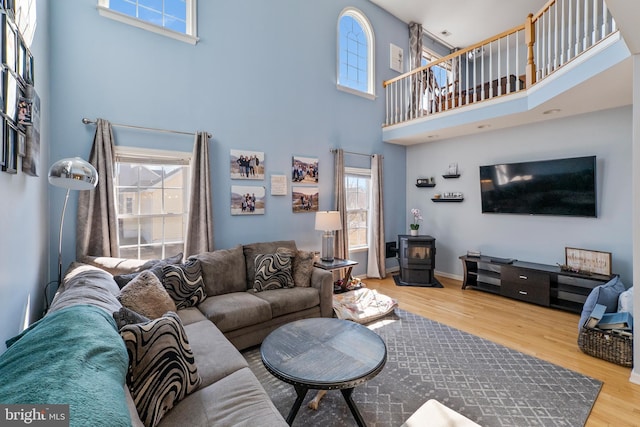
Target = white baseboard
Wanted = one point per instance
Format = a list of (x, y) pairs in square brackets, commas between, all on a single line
[(635, 376)]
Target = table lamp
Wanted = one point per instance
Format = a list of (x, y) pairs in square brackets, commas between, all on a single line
[(73, 174), (328, 222)]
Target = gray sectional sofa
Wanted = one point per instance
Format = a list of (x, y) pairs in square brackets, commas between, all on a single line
[(220, 389)]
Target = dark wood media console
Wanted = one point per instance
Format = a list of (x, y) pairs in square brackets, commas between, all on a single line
[(540, 284)]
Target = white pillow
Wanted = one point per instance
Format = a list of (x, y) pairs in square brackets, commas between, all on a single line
[(625, 301)]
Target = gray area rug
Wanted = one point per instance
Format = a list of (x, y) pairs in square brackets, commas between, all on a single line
[(488, 383)]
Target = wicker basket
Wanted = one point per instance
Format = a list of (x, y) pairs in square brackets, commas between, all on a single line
[(607, 345)]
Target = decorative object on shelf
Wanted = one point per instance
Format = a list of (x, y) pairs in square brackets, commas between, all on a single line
[(448, 197), (328, 222), (417, 216), (425, 182), (587, 260), (564, 267), (72, 174), (452, 172)]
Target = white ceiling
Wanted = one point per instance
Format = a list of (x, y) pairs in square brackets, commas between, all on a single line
[(467, 21)]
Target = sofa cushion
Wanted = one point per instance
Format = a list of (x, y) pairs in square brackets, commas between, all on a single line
[(285, 301), (184, 283), (114, 265), (86, 284), (162, 369), (190, 315), (253, 249), (236, 310), (215, 355), (625, 301), (273, 271), (302, 266), (154, 265), (223, 271), (236, 400), (146, 295)]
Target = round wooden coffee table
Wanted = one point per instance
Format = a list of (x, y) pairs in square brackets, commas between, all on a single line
[(324, 354)]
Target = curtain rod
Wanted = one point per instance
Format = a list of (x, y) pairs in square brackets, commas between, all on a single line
[(333, 150), (93, 122)]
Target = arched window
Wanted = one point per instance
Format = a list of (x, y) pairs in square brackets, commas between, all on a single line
[(355, 53)]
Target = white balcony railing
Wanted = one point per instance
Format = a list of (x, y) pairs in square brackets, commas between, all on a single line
[(506, 63)]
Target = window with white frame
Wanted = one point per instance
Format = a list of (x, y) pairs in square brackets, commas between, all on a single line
[(441, 72), (355, 53), (358, 195), (172, 18), (152, 193)]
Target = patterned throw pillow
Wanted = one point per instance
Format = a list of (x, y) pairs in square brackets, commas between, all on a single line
[(273, 271), (302, 266), (123, 279), (184, 283), (126, 316), (146, 295), (162, 369)]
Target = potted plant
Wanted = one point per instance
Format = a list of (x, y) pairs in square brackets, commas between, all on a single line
[(417, 216)]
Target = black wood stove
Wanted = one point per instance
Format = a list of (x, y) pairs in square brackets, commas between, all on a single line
[(417, 259)]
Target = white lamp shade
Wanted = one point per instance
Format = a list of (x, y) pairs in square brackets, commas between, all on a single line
[(73, 173), (328, 221)]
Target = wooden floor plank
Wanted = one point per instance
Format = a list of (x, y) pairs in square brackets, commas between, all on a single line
[(546, 333)]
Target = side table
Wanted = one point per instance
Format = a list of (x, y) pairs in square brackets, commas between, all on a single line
[(337, 264)]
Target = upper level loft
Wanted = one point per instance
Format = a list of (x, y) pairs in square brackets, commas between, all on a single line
[(566, 59)]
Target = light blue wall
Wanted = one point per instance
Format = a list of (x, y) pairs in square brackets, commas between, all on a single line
[(24, 215), (459, 227), (262, 77)]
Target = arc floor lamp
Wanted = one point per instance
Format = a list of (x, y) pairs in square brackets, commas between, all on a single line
[(71, 173)]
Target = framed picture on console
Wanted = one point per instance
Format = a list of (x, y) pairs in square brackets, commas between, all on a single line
[(595, 262)]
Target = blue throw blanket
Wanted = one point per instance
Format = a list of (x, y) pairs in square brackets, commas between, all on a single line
[(73, 356)]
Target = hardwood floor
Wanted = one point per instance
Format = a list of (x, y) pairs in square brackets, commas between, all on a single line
[(546, 333)]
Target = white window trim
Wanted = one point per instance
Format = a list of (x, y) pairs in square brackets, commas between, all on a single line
[(144, 154), (148, 156), (364, 172), (368, 30), (190, 37)]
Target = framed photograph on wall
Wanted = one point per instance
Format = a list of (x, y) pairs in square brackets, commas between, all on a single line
[(10, 151), (247, 200), (10, 35), (22, 143), (246, 164), (595, 262), (304, 199), (11, 100), (3, 145), (304, 170)]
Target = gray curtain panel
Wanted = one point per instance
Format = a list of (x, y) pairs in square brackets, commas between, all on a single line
[(415, 61), (199, 236), (375, 262), (341, 242), (96, 227)]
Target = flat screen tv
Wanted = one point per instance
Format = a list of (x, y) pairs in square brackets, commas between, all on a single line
[(546, 187)]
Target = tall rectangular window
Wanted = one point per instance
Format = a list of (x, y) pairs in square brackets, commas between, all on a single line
[(152, 190), (358, 194)]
